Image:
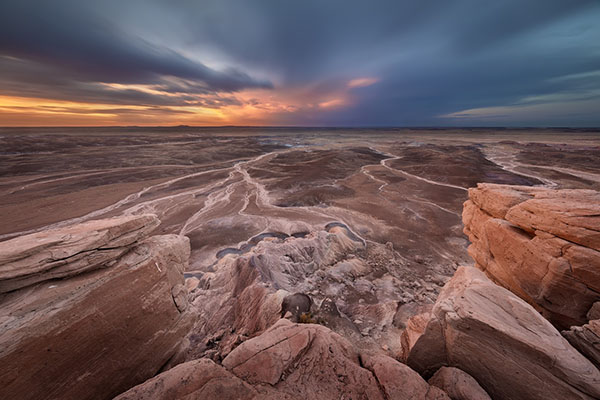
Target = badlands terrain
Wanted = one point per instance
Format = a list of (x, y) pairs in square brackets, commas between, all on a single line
[(228, 188), (137, 251)]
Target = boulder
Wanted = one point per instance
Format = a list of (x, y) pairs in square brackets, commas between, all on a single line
[(65, 252), (502, 342), (312, 362), (586, 339), (458, 384), (306, 360), (416, 328), (93, 334), (198, 379), (296, 304), (541, 244), (290, 361), (398, 381), (594, 311)]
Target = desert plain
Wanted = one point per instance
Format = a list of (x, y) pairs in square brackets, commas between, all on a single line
[(397, 192), (228, 188)]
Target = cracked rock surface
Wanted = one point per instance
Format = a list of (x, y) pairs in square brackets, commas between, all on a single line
[(501, 341), (541, 244), (112, 321), (291, 361), (65, 252)]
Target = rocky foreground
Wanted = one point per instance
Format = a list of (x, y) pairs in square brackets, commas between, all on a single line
[(101, 309), (115, 317)]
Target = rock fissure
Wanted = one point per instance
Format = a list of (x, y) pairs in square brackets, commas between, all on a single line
[(232, 367), (117, 318)]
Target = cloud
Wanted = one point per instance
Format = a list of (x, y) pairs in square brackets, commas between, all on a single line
[(68, 39), (332, 103), (340, 62), (579, 76), (553, 114), (362, 82)]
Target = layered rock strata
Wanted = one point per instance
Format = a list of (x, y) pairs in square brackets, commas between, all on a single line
[(586, 339), (66, 252), (115, 317), (541, 244), (501, 341)]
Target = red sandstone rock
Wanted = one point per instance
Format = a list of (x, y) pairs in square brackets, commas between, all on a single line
[(545, 251), (415, 331), (594, 311), (290, 361), (586, 339), (458, 384), (198, 379), (502, 342), (496, 200), (96, 334), (398, 381), (64, 252), (570, 214), (306, 360)]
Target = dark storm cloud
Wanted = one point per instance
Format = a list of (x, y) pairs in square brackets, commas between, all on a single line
[(304, 39), (432, 58), (68, 38), (21, 78)]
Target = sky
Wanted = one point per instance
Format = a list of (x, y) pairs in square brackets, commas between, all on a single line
[(300, 63)]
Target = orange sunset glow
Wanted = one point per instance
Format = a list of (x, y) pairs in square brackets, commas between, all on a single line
[(318, 64), (247, 107)]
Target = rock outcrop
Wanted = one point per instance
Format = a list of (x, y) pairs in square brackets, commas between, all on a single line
[(303, 359), (586, 339), (115, 317), (66, 252), (90, 311), (199, 379), (458, 384), (542, 244), (297, 305), (240, 296), (398, 381), (290, 361), (501, 341), (594, 312)]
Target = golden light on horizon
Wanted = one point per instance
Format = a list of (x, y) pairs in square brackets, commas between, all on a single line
[(246, 107), (25, 111)]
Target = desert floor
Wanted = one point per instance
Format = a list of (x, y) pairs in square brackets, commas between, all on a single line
[(229, 188)]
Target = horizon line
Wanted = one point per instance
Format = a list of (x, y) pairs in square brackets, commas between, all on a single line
[(304, 126)]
